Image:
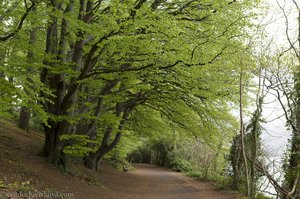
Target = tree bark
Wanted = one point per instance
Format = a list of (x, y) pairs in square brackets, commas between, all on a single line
[(92, 161), (242, 132), (255, 133), (53, 147), (24, 118)]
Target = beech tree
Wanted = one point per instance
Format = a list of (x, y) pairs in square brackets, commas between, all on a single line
[(93, 71)]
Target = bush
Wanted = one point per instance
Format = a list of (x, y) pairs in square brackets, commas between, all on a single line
[(223, 182), (197, 175), (181, 165)]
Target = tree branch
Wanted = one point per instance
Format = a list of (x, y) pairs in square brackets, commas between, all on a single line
[(20, 25)]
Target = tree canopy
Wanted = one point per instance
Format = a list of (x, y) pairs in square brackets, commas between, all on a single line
[(105, 78)]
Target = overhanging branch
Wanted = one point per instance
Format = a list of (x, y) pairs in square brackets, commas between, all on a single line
[(20, 25)]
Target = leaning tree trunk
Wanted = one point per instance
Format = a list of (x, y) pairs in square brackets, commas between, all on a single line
[(92, 161)]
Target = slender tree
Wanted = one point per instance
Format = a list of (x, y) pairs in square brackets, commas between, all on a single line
[(242, 133)]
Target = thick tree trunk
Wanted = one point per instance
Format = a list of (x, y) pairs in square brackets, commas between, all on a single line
[(53, 147), (56, 47)]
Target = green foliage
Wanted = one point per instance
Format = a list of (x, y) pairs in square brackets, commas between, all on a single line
[(197, 175), (175, 68), (223, 181), (140, 155), (77, 144), (253, 146), (289, 166), (128, 144), (180, 165)]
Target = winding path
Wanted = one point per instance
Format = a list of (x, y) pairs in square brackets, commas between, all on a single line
[(151, 182)]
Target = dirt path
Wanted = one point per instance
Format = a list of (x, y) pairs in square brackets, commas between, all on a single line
[(151, 182)]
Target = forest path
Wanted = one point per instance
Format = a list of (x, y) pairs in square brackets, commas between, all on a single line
[(151, 182)]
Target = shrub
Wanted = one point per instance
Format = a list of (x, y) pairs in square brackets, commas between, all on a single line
[(197, 175), (223, 182), (181, 165)]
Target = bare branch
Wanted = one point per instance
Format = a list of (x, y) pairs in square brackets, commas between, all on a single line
[(287, 29)]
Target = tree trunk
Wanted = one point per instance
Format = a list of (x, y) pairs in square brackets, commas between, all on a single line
[(24, 118), (56, 47), (242, 132), (236, 162), (92, 161), (53, 146), (255, 134)]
